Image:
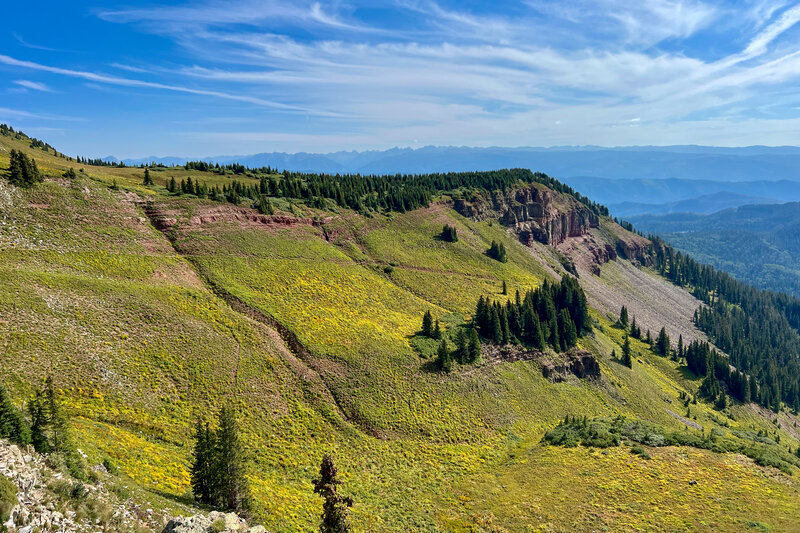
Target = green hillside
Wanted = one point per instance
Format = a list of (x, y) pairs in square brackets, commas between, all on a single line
[(152, 309)]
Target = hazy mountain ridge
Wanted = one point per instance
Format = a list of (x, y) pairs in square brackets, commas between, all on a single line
[(687, 162)]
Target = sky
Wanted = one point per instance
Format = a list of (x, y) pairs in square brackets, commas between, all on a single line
[(204, 78)]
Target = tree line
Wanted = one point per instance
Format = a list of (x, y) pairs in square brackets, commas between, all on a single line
[(757, 329), (371, 193)]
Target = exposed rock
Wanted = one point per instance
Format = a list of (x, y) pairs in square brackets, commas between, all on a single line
[(535, 213), (556, 368), (579, 363), (215, 521)]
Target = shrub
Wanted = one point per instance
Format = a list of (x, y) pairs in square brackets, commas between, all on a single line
[(641, 452)]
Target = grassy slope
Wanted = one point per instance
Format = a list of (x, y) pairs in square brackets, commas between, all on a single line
[(141, 348)]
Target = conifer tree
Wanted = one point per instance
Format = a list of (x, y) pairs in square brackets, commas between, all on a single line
[(496, 328), (437, 330), (623, 317), (12, 422), (444, 359), (148, 180), (474, 346), (505, 287), (202, 470), (427, 324), (627, 360), (462, 351), (567, 332), (335, 508), (232, 490), (662, 343), (23, 171)]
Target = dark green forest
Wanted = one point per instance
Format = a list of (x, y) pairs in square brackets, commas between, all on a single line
[(757, 329)]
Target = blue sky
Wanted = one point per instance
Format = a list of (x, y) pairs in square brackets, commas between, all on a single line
[(244, 76)]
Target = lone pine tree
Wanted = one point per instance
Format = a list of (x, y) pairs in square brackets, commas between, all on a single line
[(427, 324), (335, 508)]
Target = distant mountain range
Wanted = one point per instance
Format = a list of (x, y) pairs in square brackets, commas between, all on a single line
[(630, 180), (640, 162)]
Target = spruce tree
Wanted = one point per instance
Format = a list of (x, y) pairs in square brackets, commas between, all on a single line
[(202, 470), (444, 359), (461, 346), (437, 330), (22, 171), (505, 287), (474, 346), (567, 332), (232, 490), (148, 180), (335, 508), (662, 343), (623, 317), (12, 422), (627, 360), (427, 324)]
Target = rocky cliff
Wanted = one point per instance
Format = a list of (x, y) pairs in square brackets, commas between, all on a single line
[(536, 213)]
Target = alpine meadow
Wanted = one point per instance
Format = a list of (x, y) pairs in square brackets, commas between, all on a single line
[(449, 335)]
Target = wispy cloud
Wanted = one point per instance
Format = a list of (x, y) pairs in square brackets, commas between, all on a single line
[(34, 85), (26, 44), (127, 82), (445, 72)]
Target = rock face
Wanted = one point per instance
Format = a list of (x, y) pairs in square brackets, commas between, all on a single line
[(556, 368), (580, 363), (215, 522), (536, 214)]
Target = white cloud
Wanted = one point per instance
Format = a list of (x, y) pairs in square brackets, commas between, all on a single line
[(34, 85)]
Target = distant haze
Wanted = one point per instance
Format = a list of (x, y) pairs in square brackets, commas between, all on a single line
[(639, 162)]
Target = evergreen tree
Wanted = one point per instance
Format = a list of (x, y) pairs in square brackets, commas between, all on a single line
[(148, 180), (172, 186), (231, 488), (505, 287), (473, 347), (70, 174), (444, 359), (12, 422), (627, 360), (427, 324), (264, 206), (437, 330), (22, 171), (462, 352), (202, 470), (623, 317), (449, 233), (567, 332), (662, 343), (496, 327), (497, 251), (335, 508)]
